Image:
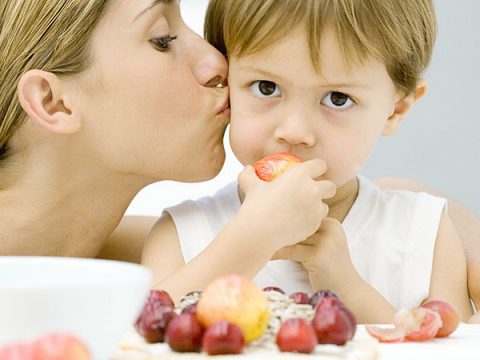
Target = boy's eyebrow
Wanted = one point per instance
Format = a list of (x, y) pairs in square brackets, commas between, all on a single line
[(326, 85), (152, 5)]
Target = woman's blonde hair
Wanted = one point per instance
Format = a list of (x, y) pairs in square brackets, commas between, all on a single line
[(399, 33), (50, 35)]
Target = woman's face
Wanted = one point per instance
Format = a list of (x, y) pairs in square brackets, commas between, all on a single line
[(149, 103)]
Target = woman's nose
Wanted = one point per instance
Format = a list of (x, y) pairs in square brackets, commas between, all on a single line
[(294, 131), (210, 67)]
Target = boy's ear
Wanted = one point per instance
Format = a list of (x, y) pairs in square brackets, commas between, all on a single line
[(402, 107), (42, 97)]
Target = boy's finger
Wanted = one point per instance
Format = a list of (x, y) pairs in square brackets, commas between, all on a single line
[(329, 189), (314, 168), (247, 178), (329, 227)]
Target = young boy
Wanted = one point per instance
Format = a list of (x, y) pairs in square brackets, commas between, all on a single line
[(323, 80)]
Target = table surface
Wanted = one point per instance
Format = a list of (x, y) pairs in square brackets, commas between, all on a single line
[(464, 343)]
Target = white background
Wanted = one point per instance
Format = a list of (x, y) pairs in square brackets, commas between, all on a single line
[(439, 142)]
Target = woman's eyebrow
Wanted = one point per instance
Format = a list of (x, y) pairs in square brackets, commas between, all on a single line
[(151, 6)]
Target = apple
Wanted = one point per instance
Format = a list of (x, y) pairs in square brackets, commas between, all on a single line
[(153, 321), (274, 288), (300, 297), (238, 300), (272, 166), (161, 297), (333, 322), (296, 335), (317, 296), (185, 333), (223, 337)]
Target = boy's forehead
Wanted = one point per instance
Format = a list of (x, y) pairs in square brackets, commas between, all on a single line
[(289, 58)]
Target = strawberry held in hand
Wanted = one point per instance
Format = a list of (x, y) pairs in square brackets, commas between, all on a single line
[(270, 167)]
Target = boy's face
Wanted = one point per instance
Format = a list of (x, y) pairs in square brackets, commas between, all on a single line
[(280, 103)]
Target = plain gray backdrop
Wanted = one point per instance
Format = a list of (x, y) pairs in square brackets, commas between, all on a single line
[(438, 143)]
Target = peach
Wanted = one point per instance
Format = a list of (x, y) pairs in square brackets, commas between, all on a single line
[(386, 335), (59, 347), (270, 167), (236, 299), (296, 335), (449, 315), (420, 324), (17, 351)]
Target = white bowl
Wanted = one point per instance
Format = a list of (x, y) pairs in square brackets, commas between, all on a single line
[(95, 300)]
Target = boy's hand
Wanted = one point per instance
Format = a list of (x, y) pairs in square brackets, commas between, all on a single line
[(290, 208), (325, 257)]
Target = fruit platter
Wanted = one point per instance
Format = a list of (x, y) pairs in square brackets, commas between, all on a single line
[(233, 318)]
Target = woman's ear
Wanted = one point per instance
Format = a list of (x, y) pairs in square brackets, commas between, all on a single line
[(402, 107), (41, 96)]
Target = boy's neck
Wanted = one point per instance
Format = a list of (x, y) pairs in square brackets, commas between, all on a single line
[(342, 202)]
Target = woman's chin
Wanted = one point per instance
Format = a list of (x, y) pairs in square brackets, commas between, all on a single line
[(213, 168)]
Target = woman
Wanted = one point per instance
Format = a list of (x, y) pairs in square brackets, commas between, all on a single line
[(99, 98)]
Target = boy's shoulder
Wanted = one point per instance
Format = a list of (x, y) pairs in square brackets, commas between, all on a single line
[(391, 208)]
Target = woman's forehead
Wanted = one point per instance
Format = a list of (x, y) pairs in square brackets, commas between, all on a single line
[(131, 11)]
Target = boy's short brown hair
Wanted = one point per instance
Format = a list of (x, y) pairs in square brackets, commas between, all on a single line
[(399, 33)]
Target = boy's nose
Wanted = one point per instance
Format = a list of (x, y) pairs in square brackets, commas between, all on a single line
[(294, 131)]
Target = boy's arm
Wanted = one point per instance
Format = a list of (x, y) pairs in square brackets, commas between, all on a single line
[(327, 260), (466, 224), (226, 254), (272, 215), (126, 242), (448, 281)]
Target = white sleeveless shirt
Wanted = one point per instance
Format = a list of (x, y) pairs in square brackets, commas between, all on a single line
[(391, 238)]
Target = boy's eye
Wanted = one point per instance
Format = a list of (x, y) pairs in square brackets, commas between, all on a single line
[(337, 100), (265, 89)]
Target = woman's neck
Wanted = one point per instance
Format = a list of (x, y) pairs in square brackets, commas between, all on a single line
[(52, 205)]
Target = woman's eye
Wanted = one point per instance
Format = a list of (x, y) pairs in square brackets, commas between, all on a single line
[(265, 89), (337, 100), (163, 43)]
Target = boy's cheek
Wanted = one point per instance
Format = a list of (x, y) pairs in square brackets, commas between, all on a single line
[(245, 146)]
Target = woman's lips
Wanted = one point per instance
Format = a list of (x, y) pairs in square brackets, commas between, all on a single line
[(225, 107)]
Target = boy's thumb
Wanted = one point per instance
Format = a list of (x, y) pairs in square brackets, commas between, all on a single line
[(247, 178)]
